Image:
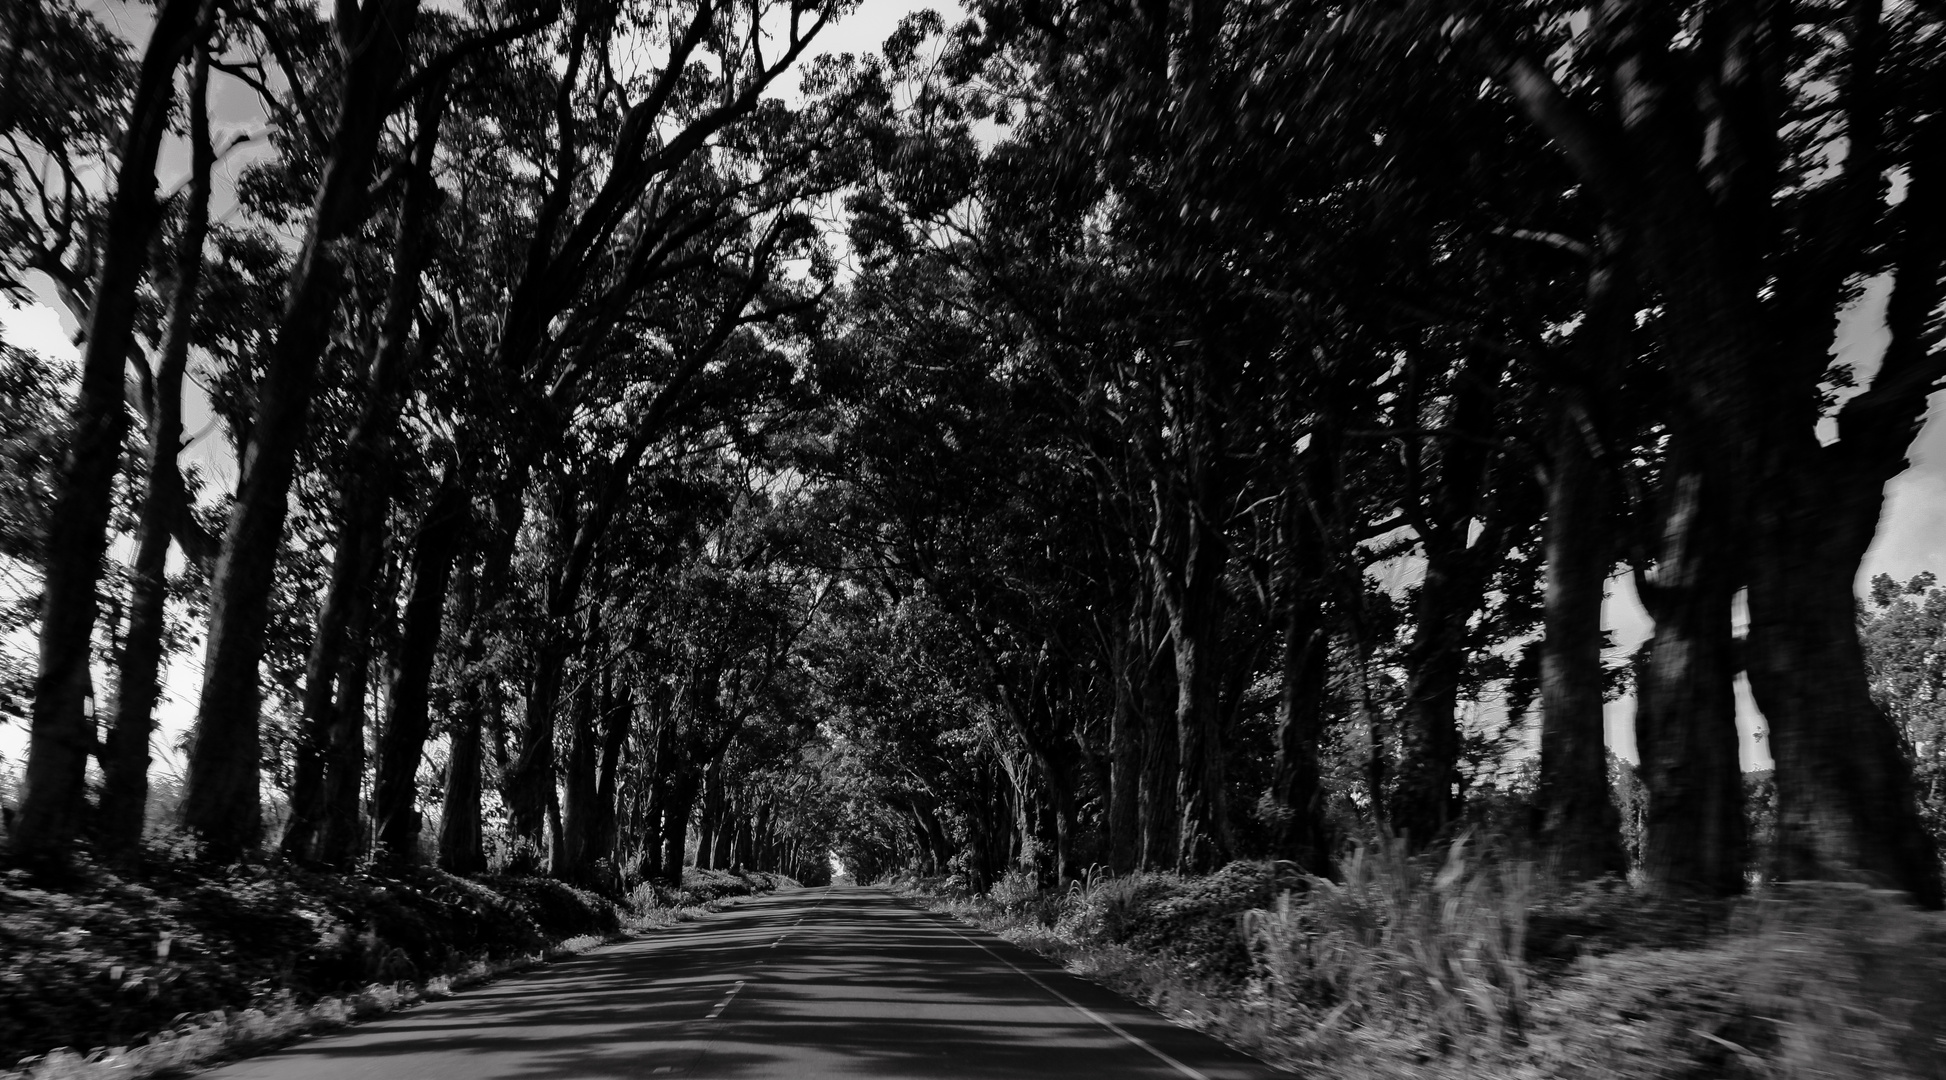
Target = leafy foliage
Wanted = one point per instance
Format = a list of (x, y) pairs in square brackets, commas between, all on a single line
[(1903, 630), (115, 957)]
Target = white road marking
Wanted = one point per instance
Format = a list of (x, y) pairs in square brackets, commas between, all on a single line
[(721, 1005), (1192, 1074), (717, 1009)]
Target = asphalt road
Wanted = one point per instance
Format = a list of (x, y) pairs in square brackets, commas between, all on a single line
[(808, 984)]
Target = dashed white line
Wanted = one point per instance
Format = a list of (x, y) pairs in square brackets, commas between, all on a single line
[(800, 918), (721, 1005), (717, 1009)]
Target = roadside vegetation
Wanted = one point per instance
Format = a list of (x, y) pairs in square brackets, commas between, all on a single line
[(139, 972), (1460, 962)]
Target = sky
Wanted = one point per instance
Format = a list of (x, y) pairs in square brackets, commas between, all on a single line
[(1911, 537)]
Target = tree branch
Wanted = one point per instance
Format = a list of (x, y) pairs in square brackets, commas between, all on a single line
[(448, 61), (1590, 146)]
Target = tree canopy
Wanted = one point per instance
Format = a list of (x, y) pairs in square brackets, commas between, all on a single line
[(1074, 434)]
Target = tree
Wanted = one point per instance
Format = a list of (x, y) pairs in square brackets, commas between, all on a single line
[(32, 392), (51, 811), (1578, 821), (221, 803), (1751, 249), (165, 503), (330, 759), (1903, 630)]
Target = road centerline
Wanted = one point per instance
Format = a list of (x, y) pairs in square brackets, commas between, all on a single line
[(727, 998)]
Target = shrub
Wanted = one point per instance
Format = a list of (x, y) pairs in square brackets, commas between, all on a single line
[(559, 906), (1604, 916), (1017, 893), (1434, 941), (701, 888), (1650, 1014), (111, 958), (1106, 909), (1199, 921), (1824, 981)]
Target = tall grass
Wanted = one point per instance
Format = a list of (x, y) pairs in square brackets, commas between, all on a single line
[(1436, 942), (1460, 962), (1104, 907)]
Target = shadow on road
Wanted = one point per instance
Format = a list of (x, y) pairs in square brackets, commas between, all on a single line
[(837, 984)]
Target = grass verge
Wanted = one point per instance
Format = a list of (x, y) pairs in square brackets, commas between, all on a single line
[(1460, 964)]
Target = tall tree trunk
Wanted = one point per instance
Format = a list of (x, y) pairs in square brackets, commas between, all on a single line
[(62, 734), (461, 848), (125, 763), (1580, 828), (353, 567), (753, 848), (532, 780), (1845, 807), (924, 861), (1019, 805), (1302, 832), (461, 834), (395, 815), (740, 842), (570, 858), (1203, 840), (1129, 665), (660, 777), (1694, 836), (648, 865), (984, 824), (925, 811), (675, 824), (760, 854), (221, 801), (712, 811), (721, 856), (1845, 800), (1465, 489), (1160, 821), (531, 776), (1060, 806), (617, 716), (461, 837), (339, 838), (366, 468), (556, 840), (1034, 720), (1428, 799)]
